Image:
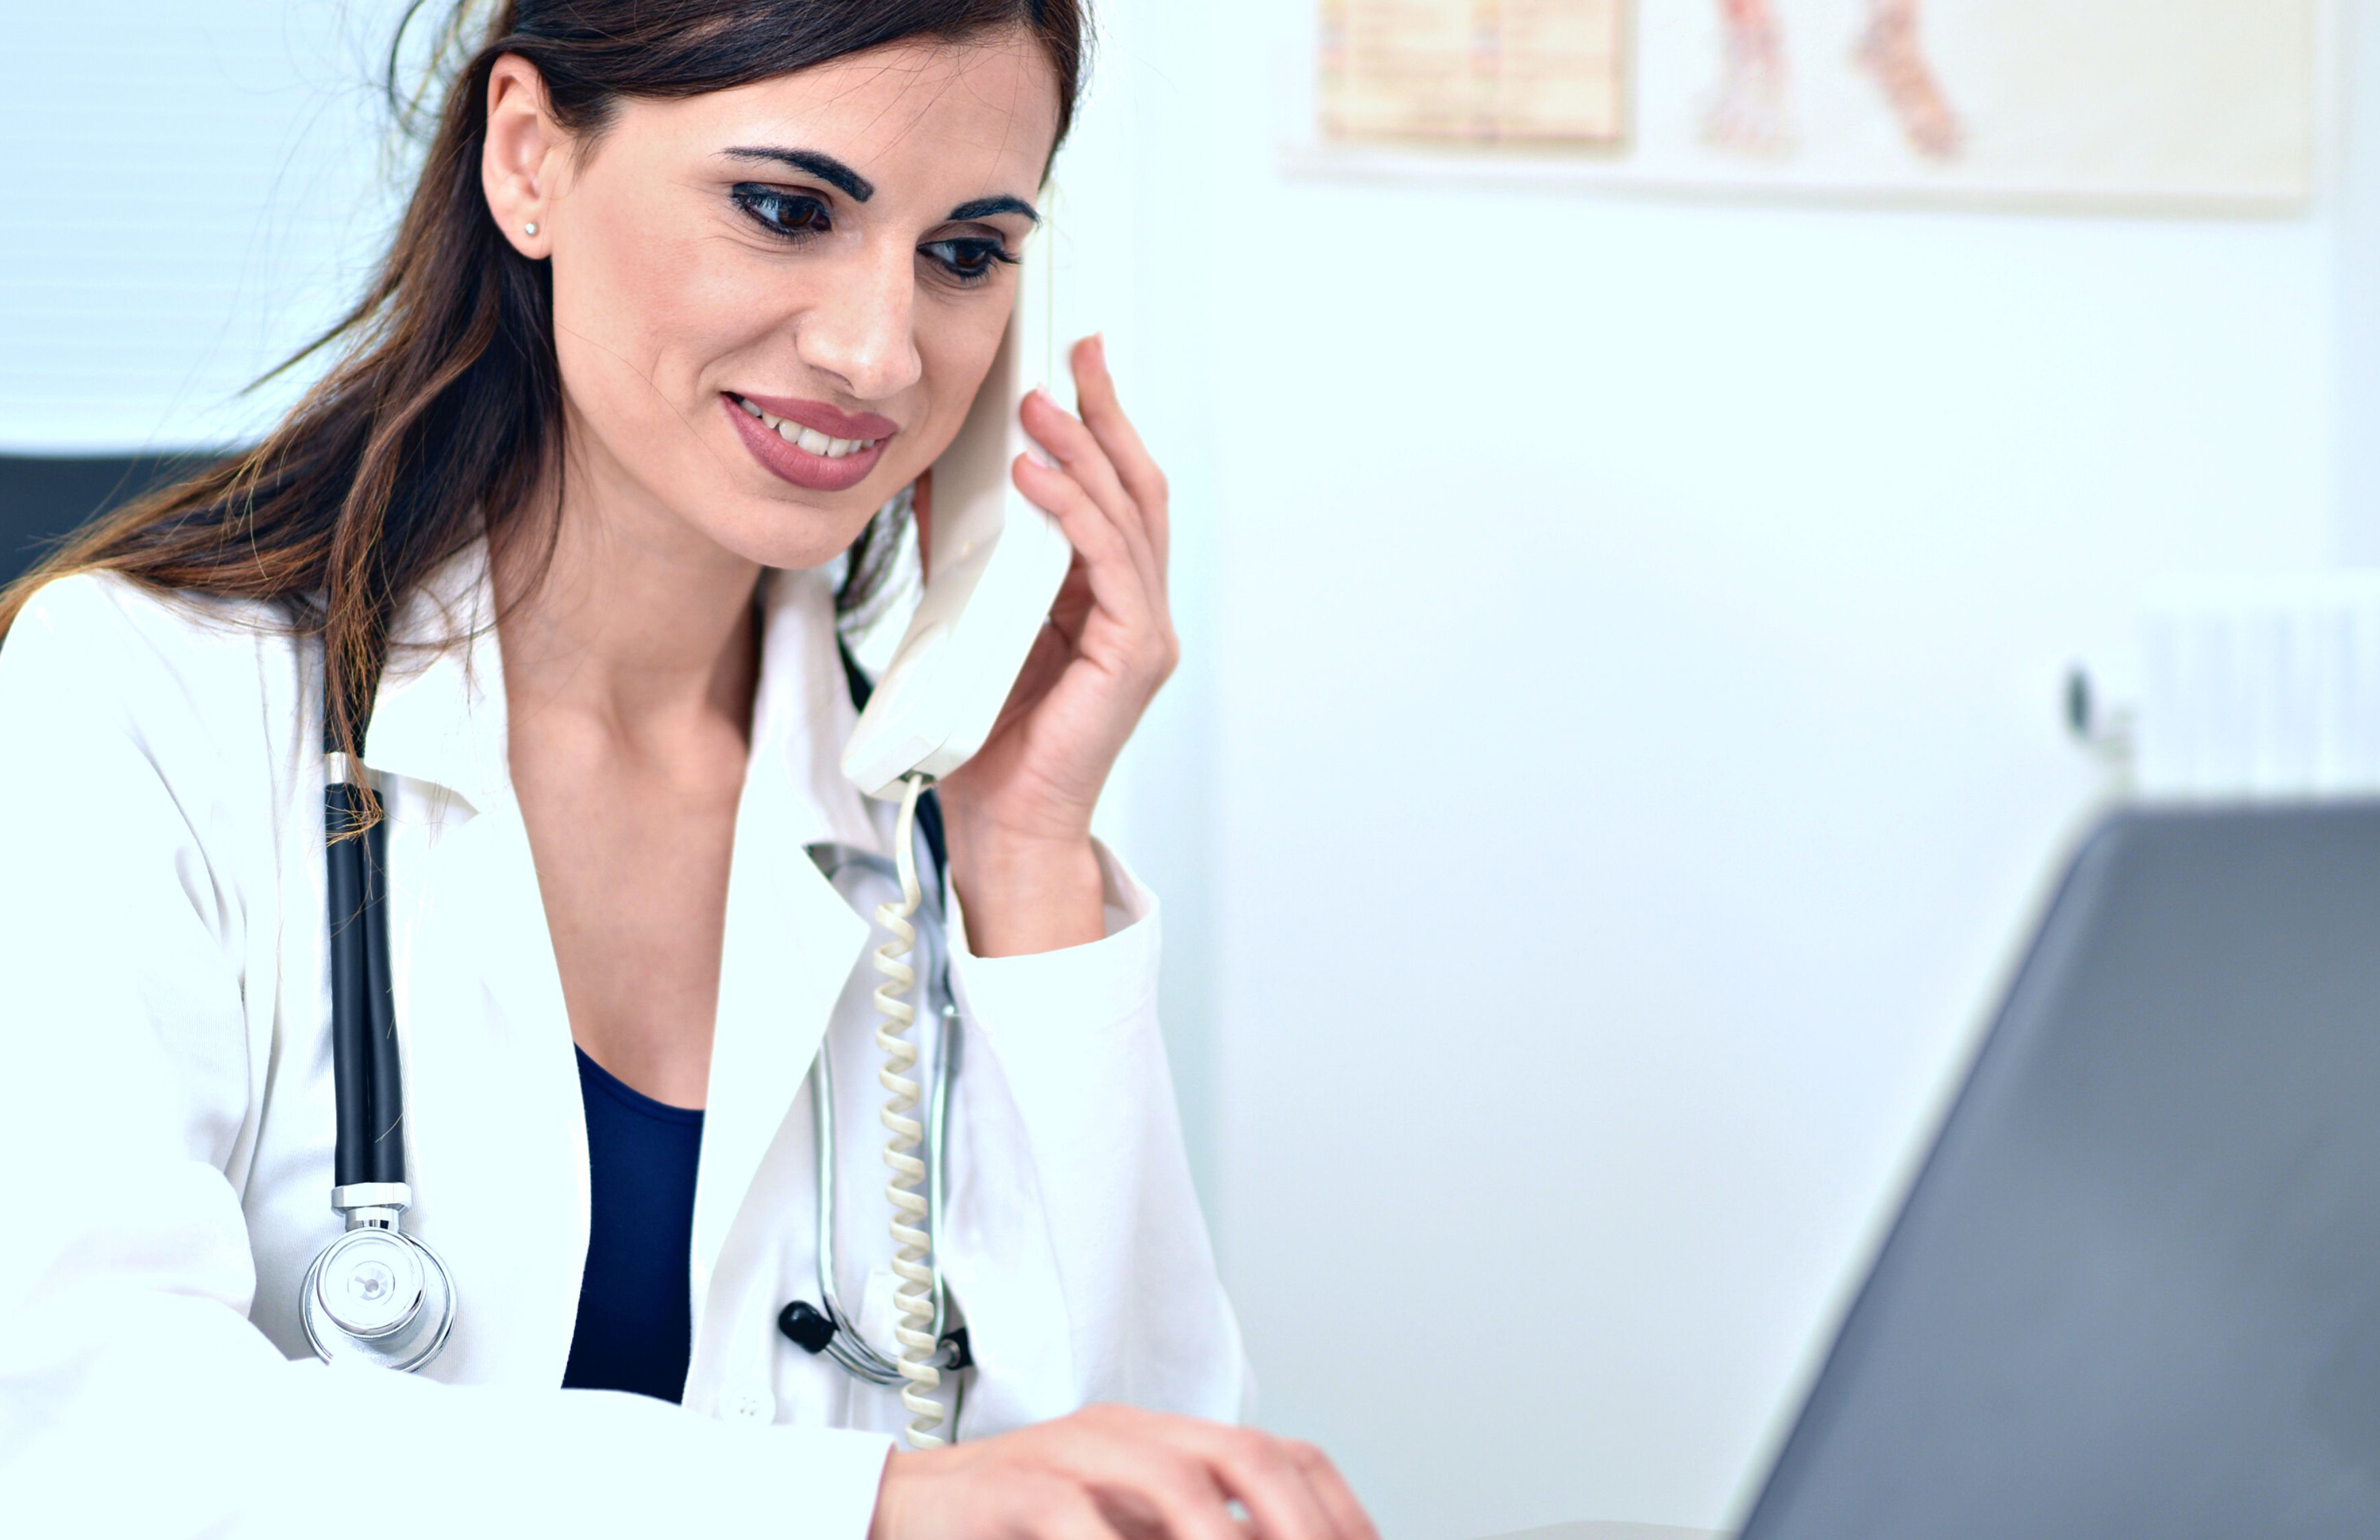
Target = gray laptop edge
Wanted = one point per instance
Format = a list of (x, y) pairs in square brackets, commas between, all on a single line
[(2135, 1288)]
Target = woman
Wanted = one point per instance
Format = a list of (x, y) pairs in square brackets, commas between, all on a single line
[(528, 519)]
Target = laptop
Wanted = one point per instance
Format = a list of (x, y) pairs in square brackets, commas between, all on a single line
[(2135, 1288)]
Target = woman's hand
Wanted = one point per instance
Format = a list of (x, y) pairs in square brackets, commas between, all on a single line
[(1114, 1471), (1019, 813)]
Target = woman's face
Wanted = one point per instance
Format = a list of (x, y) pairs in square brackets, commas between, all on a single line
[(773, 305)]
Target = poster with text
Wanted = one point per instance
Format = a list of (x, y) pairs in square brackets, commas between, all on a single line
[(2180, 102), (1473, 71)]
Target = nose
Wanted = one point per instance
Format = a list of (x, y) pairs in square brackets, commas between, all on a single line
[(862, 331)]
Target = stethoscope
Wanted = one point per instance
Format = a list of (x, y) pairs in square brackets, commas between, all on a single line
[(375, 1294), (825, 1327), (380, 1296)]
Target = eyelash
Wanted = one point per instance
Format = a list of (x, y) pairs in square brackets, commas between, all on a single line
[(793, 217)]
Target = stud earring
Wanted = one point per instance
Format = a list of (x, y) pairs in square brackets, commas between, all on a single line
[(529, 229)]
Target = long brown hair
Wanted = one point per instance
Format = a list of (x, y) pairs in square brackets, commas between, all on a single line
[(444, 407)]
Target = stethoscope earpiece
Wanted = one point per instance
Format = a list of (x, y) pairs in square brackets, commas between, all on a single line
[(379, 1295)]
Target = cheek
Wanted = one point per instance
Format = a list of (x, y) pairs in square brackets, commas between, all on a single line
[(637, 312), (954, 353)]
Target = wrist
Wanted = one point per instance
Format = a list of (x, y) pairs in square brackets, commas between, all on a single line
[(1026, 894)]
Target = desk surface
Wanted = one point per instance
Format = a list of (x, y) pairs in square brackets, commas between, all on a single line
[(1592, 1529)]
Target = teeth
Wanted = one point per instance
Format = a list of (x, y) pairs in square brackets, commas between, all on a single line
[(809, 438)]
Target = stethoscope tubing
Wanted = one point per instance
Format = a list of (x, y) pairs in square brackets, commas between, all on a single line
[(850, 1350), (368, 1077), (370, 1186), (375, 1294)]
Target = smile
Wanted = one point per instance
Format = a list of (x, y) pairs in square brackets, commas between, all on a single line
[(809, 443), (809, 439)]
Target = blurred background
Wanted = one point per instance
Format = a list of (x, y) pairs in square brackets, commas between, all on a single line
[(1631, 610)]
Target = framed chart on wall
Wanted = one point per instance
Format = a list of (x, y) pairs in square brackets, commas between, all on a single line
[(2190, 104), (1473, 71)]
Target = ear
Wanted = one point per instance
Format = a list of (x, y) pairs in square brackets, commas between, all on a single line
[(522, 158)]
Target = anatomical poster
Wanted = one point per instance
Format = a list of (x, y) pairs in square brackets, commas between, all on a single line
[(2185, 103)]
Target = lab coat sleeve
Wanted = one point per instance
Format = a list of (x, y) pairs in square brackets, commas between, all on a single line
[(135, 1396), (1067, 1095)]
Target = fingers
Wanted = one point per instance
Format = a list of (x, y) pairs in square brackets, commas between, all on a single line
[(1079, 454), (1114, 1472), (1073, 605), (1095, 394), (1290, 1490), (1107, 561), (1331, 1491), (1119, 585), (1070, 1514), (1173, 1495), (1257, 1470)]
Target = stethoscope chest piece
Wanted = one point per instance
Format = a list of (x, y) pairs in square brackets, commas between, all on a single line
[(378, 1295)]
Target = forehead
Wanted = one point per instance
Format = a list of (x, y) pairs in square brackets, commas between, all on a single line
[(921, 116)]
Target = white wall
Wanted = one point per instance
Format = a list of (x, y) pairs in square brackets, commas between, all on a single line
[(2356, 202), (1636, 639)]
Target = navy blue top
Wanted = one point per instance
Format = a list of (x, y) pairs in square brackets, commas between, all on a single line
[(635, 1317)]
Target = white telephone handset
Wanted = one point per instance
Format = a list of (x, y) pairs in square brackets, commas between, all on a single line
[(997, 565)]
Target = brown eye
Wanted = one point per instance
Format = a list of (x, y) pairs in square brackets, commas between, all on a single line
[(791, 214), (969, 261)]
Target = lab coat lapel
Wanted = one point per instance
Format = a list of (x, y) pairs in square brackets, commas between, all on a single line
[(499, 1135), (497, 1140), (790, 946), (791, 941)]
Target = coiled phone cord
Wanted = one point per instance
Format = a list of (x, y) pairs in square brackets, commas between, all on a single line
[(913, 1243)]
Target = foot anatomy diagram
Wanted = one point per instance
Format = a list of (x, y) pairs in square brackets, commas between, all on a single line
[(1749, 112)]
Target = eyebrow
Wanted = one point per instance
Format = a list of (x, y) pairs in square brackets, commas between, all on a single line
[(984, 208), (819, 165), (860, 190)]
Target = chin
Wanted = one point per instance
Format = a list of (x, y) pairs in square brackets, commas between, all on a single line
[(777, 532)]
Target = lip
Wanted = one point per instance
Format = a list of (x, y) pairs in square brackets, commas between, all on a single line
[(791, 462), (825, 419)]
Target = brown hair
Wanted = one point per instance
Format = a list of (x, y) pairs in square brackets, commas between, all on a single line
[(445, 405)]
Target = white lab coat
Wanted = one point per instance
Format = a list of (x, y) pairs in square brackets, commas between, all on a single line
[(166, 1116)]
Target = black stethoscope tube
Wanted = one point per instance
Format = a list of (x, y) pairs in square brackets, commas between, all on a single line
[(350, 983), (387, 1099), (369, 1082)]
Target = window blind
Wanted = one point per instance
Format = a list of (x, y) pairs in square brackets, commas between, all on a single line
[(189, 193)]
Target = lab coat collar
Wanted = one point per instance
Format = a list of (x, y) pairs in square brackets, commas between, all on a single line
[(792, 942), (439, 716)]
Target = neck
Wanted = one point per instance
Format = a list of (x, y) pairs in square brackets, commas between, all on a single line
[(638, 624)]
